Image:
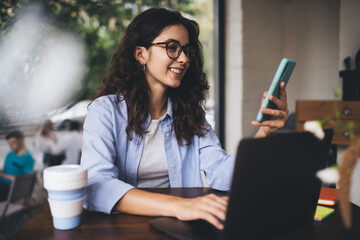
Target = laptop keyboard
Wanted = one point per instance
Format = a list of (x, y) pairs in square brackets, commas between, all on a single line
[(201, 229), (186, 230)]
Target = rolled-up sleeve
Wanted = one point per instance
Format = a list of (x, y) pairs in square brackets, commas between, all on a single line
[(104, 188), (217, 165)]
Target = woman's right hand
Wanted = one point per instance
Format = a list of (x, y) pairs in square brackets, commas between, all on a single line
[(211, 208)]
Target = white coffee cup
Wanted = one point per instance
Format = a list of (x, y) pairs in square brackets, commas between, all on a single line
[(65, 185)]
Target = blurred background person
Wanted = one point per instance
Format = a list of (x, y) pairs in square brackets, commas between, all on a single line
[(70, 142), (18, 161), (46, 147)]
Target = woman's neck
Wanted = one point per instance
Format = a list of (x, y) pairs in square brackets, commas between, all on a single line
[(157, 104)]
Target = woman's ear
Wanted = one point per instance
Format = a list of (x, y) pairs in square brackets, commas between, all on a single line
[(141, 54)]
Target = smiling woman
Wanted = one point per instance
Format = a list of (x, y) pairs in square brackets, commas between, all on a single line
[(147, 126), (163, 74)]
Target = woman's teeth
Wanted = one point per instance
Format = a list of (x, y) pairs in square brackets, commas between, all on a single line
[(175, 70)]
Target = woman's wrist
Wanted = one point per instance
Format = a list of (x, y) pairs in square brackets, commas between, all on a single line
[(171, 206), (260, 133)]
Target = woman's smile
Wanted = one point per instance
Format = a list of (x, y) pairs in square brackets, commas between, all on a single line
[(176, 70)]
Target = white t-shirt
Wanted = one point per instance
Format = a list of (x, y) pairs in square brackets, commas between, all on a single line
[(43, 145), (153, 169)]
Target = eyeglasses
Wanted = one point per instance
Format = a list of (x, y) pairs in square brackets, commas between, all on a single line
[(174, 49)]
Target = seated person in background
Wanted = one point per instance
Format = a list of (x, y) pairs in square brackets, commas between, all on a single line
[(17, 162), (70, 142), (46, 145)]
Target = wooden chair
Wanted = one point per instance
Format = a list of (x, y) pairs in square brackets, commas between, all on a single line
[(21, 189)]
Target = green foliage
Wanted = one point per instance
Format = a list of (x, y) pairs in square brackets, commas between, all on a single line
[(338, 93), (100, 24), (337, 114)]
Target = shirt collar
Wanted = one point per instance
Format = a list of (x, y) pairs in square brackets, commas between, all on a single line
[(169, 111)]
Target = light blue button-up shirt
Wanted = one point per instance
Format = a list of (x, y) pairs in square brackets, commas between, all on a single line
[(112, 160)]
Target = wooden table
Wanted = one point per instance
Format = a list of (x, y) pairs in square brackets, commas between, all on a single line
[(123, 226)]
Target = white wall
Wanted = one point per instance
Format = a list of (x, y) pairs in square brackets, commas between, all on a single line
[(263, 49), (312, 39), (233, 75), (305, 30), (318, 34), (349, 31)]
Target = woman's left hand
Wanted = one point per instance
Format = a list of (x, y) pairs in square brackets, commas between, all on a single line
[(279, 115)]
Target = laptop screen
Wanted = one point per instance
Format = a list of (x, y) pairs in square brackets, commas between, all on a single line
[(274, 187)]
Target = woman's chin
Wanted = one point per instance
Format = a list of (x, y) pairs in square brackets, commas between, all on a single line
[(174, 84)]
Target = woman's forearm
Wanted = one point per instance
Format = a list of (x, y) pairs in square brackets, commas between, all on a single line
[(209, 207), (141, 202)]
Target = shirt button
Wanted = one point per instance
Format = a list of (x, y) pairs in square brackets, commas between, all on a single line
[(167, 134), (172, 165)]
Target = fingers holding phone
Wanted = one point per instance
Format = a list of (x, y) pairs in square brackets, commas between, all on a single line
[(274, 108), (278, 116), (281, 103), (276, 95)]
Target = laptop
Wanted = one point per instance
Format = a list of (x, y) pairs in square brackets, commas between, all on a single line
[(274, 189)]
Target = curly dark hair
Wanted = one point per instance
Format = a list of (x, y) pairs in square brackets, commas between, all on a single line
[(126, 78)]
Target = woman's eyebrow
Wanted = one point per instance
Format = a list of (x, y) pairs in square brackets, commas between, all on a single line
[(172, 39)]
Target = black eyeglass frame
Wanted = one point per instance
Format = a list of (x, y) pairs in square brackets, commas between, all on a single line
[(182, 49)]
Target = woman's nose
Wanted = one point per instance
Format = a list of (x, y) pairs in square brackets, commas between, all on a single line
[(183, 58)]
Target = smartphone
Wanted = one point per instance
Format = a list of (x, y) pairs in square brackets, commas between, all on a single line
[(282, 74)]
